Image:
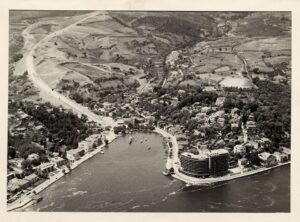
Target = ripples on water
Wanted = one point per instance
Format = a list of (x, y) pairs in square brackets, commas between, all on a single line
[(128, 178)]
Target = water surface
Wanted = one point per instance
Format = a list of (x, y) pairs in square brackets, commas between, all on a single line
[(128, 178)]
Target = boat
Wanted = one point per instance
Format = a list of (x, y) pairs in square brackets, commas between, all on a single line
[(101, 152), (36, 198), (130, 139), (166, 172)]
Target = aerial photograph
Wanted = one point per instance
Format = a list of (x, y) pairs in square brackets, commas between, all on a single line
[(149, 111)]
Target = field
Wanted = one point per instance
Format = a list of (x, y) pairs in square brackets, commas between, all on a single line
[(266, 44)]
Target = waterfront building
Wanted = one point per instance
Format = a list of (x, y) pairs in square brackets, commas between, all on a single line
[(219, 162), (45, 168), (73, 155), (10, 176), (287, 152), (194, 165), (242, 161), (205, 163), (87, 146), (267, 159), (16, 185), (58, 161), (32, 178)]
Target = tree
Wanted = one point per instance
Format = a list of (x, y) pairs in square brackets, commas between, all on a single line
[(36, 162)]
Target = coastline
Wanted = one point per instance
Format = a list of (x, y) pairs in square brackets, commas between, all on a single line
[(26, 201), (193, 181)]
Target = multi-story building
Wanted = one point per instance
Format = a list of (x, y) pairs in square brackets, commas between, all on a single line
[(207, 163), (45, 168), (58, 161)]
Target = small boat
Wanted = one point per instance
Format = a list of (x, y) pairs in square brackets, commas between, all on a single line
[(36, 198), (101, 152), (166, 172), (130, 140)]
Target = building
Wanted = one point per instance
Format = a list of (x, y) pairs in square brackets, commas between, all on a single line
[(281, 157), (287, 152), (194, 165), (251, 128), (219, 162), (16, 165), (45, 168), (242, 161), (58, 161), (73, 155), (220, 101), (32, 178), (107, 106), (87, 146), (267, 159), (206, 163), (239, 149), (16, 185), (10, 176)]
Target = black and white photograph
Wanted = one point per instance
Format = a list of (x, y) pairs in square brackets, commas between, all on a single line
[(166, 111)]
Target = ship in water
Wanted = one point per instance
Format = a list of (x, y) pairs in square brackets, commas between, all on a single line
[(168, 172), (36, 198), (130, 139)]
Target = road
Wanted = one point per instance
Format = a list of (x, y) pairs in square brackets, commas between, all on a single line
[(42, 86), (245, 64), (174, 161)]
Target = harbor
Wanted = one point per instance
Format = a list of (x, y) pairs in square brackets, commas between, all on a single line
[(137, 185)]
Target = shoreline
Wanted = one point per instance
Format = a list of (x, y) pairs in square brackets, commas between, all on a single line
[(26, 201), (193, 181)]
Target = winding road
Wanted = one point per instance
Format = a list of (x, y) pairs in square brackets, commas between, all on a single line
[(42, 86)]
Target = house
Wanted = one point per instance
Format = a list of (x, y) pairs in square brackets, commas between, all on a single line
[(58, 161), (251, 127), (16, 165), (10, 176), (287, 152), (107, 106), (242, 161), (45, 168), (209, 89), (220, 101), (239, 149), (251, 117), (267, 159), (281, 157), (86, 146), (73, 155), (16, 185), (32, 178), (235, 127), (221, 121)]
